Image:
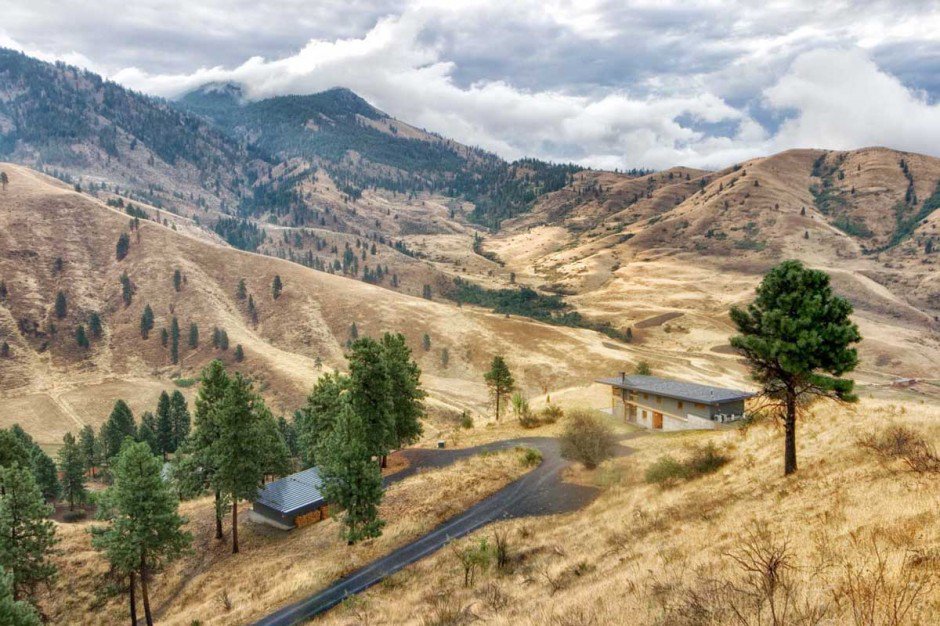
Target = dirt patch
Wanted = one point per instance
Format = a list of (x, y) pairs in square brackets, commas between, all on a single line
[(659, 320)]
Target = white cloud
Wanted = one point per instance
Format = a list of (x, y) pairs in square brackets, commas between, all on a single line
[(697, 76)]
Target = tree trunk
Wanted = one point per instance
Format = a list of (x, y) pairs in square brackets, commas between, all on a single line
[(234, 525), (789, 458), (384, 462), (497, 406), (218, 514), (133, 600), (143, 591)]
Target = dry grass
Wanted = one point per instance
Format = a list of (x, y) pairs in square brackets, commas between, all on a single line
[(848, 540), (274, 568)]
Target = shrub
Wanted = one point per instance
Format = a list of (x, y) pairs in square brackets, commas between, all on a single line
[(531, 457), (904, 444), (529, 420), (466, 420), (73, 516), (643, 369), (587, 439), (551, 413), (667, 471)]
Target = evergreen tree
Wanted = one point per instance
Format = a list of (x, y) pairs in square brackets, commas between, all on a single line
[(241, 292), (94, 325), (426, 292), (3, 291), (15, 612), (4, 180), (46, 474), (146, 321), (796, 336), (165, 437), (499, 380), (148, 435), (175, 340), (145, 531), (120, 425), (405, 388), (370, 395), (193, 336), (426, 342), (88, 445), (4, 350), (239, 353), (238, 451), (26, 534), (288, 433), (276, 286), (179, 411), (351, 479), (353, 331), (223, 340), (73, 472), (123, 246), (127, 289), (81, 339), (202, 444), (445, 357), (61, 305), (177, 280), (315, 421), (13, 451)]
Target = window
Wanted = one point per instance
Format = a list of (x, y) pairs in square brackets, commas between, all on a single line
[(646, 396), (644, 413), (699, 405), (679, 403)]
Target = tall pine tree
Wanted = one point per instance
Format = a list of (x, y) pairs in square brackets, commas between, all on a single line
[(27, 536), (73, 472)]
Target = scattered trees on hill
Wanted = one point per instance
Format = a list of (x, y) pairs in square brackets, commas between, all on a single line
[(276, 286), (219, 339), (73, 472), (177, 280), (146, 322), (499, 380), (127, 289), (123, 246), (94, 325), (175, 340), (241, 291), (61, 305), (4, 180), (796, 336), (27, 536), (239, 353), (81, 338), (145, 531), (193, 336)]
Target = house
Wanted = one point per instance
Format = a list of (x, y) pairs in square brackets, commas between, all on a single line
[(292, 501), (664, 404)]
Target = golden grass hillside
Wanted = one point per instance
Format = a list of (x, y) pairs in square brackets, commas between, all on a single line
[(850, 539), (42, 219)]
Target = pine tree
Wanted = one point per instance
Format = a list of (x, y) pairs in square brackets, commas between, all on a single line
[(46, 474), (147, 434), (426, 342), (13, 451), (239, 353), (193, 336), (276, 286), (499, 380), (797, 337), (370, 395), (316, 419), (73, 472), (177, 280), (405, 388), (223, 340), (94, 325), (175, 340), (81, 338), (164, 337), (202, 444), (88, 445), (127, 289), (26, 534), (238, 450), (4, 180), (353, 331), (61, 305), (120, 425), (3, 291), (145, 531), (445, 357), (181, 419), (122, 247), (165, 439), (241, 291), (351, 479), (15, 612)]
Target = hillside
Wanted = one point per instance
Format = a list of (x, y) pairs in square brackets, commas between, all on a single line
[(50, 382), (667, 253)]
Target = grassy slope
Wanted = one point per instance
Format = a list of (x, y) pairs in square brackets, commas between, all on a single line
[(651, 554)]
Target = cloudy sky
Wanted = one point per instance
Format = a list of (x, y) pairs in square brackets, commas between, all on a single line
[(648, 83)]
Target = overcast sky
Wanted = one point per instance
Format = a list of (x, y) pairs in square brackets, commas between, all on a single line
[(649, 83)]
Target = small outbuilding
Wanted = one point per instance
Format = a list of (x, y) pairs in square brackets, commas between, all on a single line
[(665, 404), (292, 501)]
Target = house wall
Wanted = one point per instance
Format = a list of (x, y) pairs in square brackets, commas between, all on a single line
[(677, 414)]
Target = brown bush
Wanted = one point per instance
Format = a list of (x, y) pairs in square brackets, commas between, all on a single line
[(902, 443), (587, 438)]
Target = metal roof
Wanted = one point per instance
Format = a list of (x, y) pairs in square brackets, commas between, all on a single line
[(677, 389), (293, 492)]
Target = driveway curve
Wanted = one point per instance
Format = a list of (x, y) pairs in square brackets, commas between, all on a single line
[(539, 492)]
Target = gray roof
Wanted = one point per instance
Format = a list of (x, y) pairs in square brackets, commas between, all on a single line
[(677, 389), (293, 492)]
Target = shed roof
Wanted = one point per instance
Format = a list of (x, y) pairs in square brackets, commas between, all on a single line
[(293, 492), (682, 390)]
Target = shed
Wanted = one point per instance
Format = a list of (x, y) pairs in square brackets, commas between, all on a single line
[(292, 501)]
